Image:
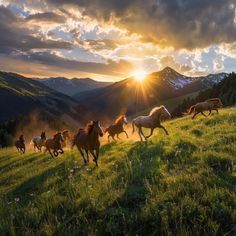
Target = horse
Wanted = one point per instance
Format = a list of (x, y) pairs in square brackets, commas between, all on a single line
[(117, 128), (208, 105), (20, 144), (39, 141), (152, 121), (55, 144), (66, 136), (88, 139)]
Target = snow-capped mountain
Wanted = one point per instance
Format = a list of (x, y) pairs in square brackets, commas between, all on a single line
[(133, 96), (179, 81)]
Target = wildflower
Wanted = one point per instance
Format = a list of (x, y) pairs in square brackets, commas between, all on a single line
[(17, 199)]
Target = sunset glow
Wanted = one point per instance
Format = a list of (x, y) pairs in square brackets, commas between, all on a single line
[(139, 75)]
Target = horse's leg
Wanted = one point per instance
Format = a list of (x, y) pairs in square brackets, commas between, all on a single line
[(125, 133), (113, 138), (82, 154), (162, 127), (94, 157), (195, 114), (87, 154), (209, 112), (204, 114), (117, 135), (49, 150), (139, 133), (60, 150), (142, 133), (217, 111), (109, 138), (55, 152), (150, 133)]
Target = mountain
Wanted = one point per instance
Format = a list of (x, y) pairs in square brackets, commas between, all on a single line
[(131, 96), (21, 96), (225, 90), (72, 86)]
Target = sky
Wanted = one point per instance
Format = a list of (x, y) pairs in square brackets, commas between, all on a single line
[(108, 40)]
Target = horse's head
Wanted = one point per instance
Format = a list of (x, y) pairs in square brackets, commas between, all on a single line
[(66, 134), (125, 119), (97, 128), (165, 113), (43, 136), (58, 137)]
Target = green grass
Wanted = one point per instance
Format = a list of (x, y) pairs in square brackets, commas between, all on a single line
[(181, 184)]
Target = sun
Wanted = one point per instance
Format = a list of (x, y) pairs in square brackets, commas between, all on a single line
[(139, 75)]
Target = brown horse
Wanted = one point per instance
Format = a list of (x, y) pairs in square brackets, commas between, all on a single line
[(55, 144), (208, 105), (117, 128), (152, 121), (66, 136), (88, 139), (20, 144)]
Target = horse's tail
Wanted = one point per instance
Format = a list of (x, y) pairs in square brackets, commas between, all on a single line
[(190, 110), (133, 126)]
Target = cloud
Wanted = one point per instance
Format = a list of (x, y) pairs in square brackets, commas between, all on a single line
[(170, 61), (113, 68), (218, 63), (178, 23), (228, 49), (46, 17), (15, 35)]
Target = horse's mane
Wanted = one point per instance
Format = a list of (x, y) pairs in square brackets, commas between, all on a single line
[(118, 119), (88, 128), (213, 100), (155, 110)]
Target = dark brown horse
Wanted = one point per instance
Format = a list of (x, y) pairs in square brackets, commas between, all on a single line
[(20, 144), (87, 139), (208, 105), (117, 128), (55, 144)]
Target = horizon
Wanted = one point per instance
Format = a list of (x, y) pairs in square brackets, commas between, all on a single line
[(109, 41)]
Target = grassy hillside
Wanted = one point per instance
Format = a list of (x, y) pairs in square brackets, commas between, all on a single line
[(181, 184)]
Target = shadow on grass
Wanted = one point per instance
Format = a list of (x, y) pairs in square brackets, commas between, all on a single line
[(35, 184)]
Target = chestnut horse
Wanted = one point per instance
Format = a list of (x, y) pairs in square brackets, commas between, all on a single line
[(208, 105), (117, 128), (152, 121), (55, 144), (87, 139)]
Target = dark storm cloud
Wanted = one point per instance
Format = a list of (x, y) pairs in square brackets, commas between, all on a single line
[(46, 17), (110, 68), (16, 36), (178, 23)]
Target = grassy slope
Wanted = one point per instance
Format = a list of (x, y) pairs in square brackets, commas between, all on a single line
[(177, 184)]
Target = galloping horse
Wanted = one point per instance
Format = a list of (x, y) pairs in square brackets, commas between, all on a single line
[(208, 105), (152, 121), (117, 128), (55, 144), (39, 141), (88, 139), (20, 144)]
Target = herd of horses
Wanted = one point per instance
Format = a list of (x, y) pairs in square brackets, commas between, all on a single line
[(87, 139)]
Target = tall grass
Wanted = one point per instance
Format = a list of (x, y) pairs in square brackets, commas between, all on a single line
[(181, 184)]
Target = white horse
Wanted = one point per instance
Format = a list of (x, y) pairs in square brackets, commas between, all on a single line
[(152, 121), (39, 141)]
